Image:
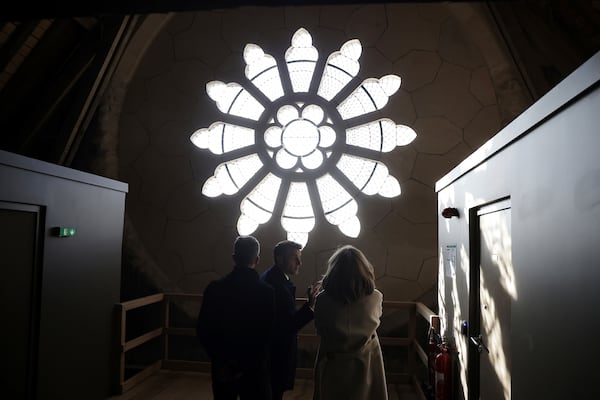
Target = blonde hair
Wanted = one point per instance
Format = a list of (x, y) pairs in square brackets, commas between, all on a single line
[(349, 275)]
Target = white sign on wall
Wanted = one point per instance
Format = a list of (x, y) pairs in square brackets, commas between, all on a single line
[(450, 260)]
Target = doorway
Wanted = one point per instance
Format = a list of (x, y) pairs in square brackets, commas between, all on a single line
[(20, 286), (492, 290)]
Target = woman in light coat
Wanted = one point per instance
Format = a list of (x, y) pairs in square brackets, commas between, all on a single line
[(349, 363)]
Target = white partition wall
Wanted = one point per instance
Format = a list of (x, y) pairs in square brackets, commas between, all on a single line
[(519, 273)]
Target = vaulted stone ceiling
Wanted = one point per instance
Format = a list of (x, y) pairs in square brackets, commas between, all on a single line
[(95, 89), (55, 57)]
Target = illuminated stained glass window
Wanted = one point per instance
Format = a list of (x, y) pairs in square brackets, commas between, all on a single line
[(304, 142)]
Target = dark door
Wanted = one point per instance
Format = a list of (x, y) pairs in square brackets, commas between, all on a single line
[(490, 357), (20, 243)]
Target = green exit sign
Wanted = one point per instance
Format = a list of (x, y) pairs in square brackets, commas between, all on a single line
[(62, 231)]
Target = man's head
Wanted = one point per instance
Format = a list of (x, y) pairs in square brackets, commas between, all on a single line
[(287, 256), (246, 251)]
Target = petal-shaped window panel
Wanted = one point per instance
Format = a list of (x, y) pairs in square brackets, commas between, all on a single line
[(234, 99), (298, 215), (287, 114), (222, 138), (327, 136), (342, 66), (404, 135), (273, 136), (246, 225), (378, 135), (232, 175), (313, 113), (261, 70), (390, 187), (259, 204), (301, 59), (367, 175), (350, 227), (313, 160), (371, 95), (338, 205), (285, 160), (212, 188), (390, 84)]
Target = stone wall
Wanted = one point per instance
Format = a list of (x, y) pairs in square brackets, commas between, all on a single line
[(459, 88)]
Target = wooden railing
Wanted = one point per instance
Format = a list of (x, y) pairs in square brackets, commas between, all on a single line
[(305, 336)]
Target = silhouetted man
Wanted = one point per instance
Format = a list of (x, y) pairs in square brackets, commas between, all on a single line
[(284, 347), (235, 325)]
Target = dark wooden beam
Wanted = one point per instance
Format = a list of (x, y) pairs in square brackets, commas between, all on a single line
[(36, 9), (79, 121), (20, 96), (52, 99), (14, 42), (71, 98)]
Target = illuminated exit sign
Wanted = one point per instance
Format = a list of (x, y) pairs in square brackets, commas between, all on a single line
[(62, 231)]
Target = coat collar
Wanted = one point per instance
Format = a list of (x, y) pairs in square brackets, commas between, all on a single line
[(277, 274), (245, 273)]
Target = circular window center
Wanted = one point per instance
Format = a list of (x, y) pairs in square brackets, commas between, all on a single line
[(300, 137)]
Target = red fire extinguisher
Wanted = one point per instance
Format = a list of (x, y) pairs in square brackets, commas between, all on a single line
[(443, 373), (434, 350)]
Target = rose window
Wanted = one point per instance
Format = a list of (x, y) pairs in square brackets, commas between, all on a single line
[(301, 136)]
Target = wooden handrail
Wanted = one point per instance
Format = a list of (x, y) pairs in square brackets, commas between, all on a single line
[(142, 301), (420, 352), (415, 349), (425, 311), (183, 296), (146, 337)]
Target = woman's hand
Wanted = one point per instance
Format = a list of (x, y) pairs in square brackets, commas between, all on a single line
[(312, 292)]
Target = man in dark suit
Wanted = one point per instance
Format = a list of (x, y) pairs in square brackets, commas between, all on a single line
[(288, 320), (235, 326)]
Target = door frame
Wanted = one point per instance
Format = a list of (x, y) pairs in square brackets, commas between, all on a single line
[(36, 290), (474, 325)]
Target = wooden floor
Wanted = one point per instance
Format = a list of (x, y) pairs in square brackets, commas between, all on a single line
[(168, 385)]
